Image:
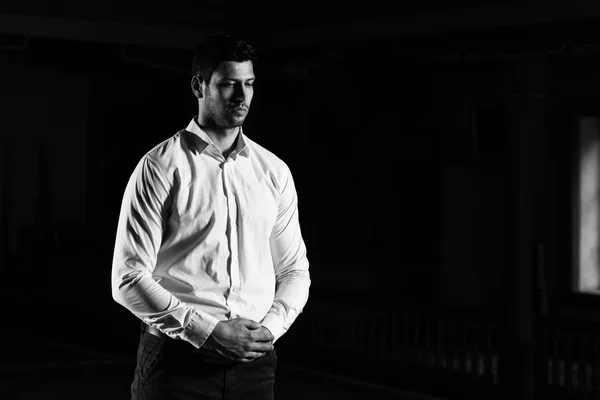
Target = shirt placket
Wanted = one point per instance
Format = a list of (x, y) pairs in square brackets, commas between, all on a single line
[(229, 181)]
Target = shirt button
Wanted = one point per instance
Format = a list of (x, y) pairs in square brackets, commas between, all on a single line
[(234, 289)]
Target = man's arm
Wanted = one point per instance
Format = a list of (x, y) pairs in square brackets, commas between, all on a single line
[(139, 235), (288, 252)]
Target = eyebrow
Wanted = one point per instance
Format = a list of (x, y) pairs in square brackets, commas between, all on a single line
[(237, 80)]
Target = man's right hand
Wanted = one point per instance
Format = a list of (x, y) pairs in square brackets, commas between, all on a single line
[(240, 339)]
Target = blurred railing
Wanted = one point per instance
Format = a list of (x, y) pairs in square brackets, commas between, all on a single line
[(572, 354), (441, 353), (421, 350)]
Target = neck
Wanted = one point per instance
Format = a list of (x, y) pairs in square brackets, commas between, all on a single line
[(224, 138)]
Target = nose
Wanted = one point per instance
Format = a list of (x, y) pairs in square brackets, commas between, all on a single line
[(241, 94)]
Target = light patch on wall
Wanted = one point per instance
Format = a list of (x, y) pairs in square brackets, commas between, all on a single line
[(589, 205)]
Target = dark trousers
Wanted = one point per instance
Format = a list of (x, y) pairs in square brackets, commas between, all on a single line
[(174, 369)]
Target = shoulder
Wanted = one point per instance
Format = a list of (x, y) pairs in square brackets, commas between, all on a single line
[(271, 166), (268, 160), (158, 166), (165, 156)]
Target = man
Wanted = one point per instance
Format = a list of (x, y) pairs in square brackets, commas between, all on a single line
[(209, 253)]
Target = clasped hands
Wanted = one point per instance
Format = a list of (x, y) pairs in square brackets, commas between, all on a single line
[(239, 339)]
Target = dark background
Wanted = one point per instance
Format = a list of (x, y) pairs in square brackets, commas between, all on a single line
[(431, 149)]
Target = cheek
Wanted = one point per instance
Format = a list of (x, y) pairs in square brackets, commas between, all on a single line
[(218, 101), (225, 94)]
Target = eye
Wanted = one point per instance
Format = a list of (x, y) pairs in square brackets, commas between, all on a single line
[(250, 84)]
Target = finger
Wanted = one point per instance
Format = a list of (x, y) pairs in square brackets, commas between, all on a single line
[(262, 335), (251, 356), (248, 323), (261, 346)]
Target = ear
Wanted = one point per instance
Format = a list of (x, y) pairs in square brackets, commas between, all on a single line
[(197, 86)]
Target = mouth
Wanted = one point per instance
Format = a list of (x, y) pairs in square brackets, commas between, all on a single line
[(240, 110)]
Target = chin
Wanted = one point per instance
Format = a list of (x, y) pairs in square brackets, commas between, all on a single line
[(236, 122)]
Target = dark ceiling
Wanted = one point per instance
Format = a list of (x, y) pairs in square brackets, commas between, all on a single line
[(231, 14), (178, 23)]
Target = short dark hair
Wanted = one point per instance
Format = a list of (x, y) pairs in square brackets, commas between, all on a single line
[(218, 48)]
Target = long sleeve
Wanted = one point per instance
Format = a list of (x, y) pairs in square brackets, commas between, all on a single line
[(139, 235), (288, 252)]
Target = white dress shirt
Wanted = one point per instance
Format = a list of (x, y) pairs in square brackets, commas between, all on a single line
[(202, 239)]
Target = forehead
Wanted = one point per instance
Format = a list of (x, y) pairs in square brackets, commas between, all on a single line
[(234, 70)]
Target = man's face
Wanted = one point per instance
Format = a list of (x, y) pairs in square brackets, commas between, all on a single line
[(228, 94)]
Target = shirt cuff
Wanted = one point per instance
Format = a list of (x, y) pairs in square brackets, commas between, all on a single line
[(274, 323), (199, 328)]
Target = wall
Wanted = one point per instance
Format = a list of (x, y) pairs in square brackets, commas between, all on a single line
[(77, 119), (405, 167), (356, 133), (386, 199), (44, 131)]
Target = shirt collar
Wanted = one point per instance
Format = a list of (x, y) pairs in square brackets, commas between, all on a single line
[(242, 148)]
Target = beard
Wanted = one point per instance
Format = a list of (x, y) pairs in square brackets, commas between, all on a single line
[(224, 116)]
